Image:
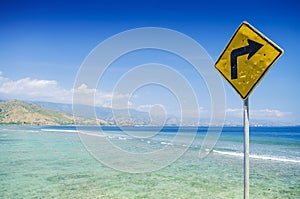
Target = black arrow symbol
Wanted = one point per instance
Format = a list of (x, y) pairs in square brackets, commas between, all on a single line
[(251, 49)]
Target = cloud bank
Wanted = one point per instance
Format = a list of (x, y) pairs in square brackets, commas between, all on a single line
[(261, 114), (49, 90)]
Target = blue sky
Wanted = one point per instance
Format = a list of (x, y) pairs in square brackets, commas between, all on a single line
[(43, 43)]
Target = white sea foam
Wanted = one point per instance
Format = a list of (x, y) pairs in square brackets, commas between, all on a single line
[(122, 138), (262, 157), (60, 130), (166, 143), (73, 131)]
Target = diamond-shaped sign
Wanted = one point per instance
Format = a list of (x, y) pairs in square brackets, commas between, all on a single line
[(246, 59)]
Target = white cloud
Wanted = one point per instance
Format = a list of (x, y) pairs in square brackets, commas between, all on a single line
[(262, 114), (49, 90), (91, 96), (170, 111), (234, 112), (146, 107), (33, 89), (269, 114)]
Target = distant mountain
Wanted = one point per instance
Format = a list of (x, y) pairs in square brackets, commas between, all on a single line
[(67, 108), (19, 112), (49, 113), (103, 113)]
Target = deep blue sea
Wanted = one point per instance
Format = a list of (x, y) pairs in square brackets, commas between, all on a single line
[(57, 162)]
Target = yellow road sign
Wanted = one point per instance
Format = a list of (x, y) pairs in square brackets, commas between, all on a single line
[(246, 59)]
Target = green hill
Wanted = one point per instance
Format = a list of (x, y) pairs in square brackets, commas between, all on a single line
[(19, 112)]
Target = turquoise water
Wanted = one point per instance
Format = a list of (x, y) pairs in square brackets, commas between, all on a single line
[(52, 162)]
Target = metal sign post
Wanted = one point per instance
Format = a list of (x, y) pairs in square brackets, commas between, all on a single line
[(246, 149), (243, 63)]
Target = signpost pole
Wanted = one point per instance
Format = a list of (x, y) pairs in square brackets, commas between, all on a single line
[(246, 149), (246, 74)]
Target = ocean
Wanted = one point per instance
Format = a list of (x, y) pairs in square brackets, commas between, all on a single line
[(55, 162)]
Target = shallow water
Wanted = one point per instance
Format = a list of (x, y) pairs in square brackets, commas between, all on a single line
[(51, 162)]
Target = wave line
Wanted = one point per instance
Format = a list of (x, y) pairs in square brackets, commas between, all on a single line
[(257, 156)]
